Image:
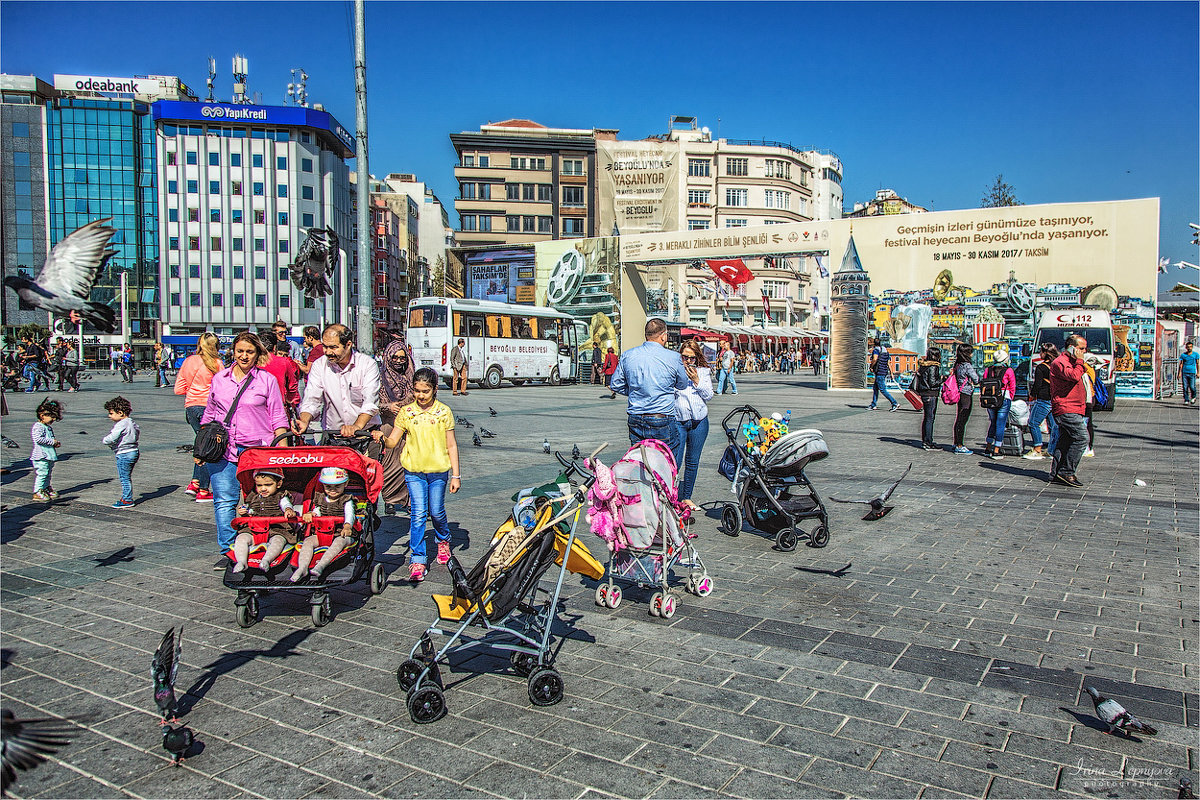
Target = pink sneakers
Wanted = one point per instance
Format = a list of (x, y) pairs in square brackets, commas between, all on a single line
[(192, 487), (443, 554), (204, 496), (417, 573)]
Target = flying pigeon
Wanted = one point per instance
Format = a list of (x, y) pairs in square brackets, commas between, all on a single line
[(65, 282), (491, 411), (9, 442), (164, 667), (177, 741), (545, 445), (316, 261), (1114, 715), (878, 509), (575, 454), (485, 433), (466, 423), (475, 440), (1185, 790), (25, 743), (184, 448)]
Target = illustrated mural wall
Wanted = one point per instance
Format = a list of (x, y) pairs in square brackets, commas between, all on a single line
[(581, 277)]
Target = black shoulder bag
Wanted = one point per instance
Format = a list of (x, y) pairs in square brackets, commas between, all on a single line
[(213, 437)]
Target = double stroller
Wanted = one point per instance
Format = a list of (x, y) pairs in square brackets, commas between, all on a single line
[(635, 509), (500, 595), (301, 468), (773, 493)]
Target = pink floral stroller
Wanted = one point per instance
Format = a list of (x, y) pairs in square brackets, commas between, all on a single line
[(635, 510)]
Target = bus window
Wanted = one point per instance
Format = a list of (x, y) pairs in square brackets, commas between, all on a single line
[(474, 326), (428, 317), (500, 325), (458, 324)]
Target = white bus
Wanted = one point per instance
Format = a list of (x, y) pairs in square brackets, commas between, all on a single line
[(1093, 324), (504, 342)]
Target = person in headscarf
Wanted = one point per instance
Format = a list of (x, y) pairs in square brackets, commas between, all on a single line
[(395, 392)]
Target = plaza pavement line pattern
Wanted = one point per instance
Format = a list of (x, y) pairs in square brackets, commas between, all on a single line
[(939, 653)]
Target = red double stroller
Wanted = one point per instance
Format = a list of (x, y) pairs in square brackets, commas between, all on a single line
[(301, 468)]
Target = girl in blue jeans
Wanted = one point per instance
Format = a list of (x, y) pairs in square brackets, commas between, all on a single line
[(430, 458)]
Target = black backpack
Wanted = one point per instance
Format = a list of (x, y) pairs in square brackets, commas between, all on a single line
[(991, 395)]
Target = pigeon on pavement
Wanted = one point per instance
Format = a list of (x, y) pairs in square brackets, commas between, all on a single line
[(878, 509), (64, 285), (8, 442), (485, 433), (164, 668), (177, 741), (1185, 789), (466, 423), (575, 454), (491, 411), (1114, 715), (25, 743), (475, 440), (545, 445)]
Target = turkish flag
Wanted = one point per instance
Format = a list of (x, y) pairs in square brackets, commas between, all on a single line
[(766, 305), (731, 270)]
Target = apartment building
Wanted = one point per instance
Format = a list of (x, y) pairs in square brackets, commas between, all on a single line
[(521, 182), (886, 202), (435, 239)]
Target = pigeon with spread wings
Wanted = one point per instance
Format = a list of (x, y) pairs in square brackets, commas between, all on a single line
[(64, 285), (165, 667), (27, 743), (878, 509)]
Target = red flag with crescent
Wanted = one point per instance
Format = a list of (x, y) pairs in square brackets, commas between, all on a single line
[(732, 271)]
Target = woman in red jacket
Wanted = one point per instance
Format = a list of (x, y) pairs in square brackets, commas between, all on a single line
[(610, 366)]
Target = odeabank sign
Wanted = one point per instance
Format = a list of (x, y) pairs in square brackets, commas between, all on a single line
[(91, 83), (295, 116)]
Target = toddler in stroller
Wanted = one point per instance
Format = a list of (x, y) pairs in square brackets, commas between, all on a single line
[(635, 509), (773, 492), (329, 504), (268, 501)]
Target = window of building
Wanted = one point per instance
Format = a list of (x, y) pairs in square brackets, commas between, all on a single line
[(260, 273), (778, 169), (468, 222), (803, 205), (545, 193), (485, 223), (572, 227), (235, 215), (260, 301), (699, 167), (214, 215), (698, 316), (172, 215), (173, 271), (236, 244), (193, 270), (194, 299), (572, 166), (527, 162), (260, 217), (305, 137), (545, 225), (776, 290), (572, 195), (256, 160), (239, 300), (193, 187), (306, 165), (698, 224), (191, 157), (737, 197), (778, 199), (235, 159), (528, 192), (260, 245), (528, 224), (215, 271), (735, 223), (513, 223), (285, 301), (737, 166), (512, 191), (804, 177), (466, 191), (698, 197), (280, 162), (257, 189), (214, 187), (20, 130), (281, 190), (282, 273), (172, 187), (215, 243), (283, 217), (306, 220), (235, 188), (173, 243), (283, 245), (306, 193), (484, 161), (214, 159), (193, 215), (217, 299), (175, 299), (485, 191), (193, 243), (170, 158), (468, 160), (239, 272)]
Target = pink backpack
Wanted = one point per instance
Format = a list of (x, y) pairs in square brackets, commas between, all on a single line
[(950, 393)]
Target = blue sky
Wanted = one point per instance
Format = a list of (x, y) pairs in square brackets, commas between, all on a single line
[(1070, 101)]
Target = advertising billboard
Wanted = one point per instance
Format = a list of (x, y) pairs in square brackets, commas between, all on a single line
[(638, 187), (503, 275), (581, 277)]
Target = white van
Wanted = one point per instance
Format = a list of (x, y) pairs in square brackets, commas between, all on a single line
[(1094, 325)]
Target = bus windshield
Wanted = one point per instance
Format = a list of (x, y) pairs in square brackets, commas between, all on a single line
[(428, 317), (1099, 340)]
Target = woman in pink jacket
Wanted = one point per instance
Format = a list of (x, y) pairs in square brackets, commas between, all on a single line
[(193, 382)]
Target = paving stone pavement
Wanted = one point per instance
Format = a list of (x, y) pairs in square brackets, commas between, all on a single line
[(940, 652)]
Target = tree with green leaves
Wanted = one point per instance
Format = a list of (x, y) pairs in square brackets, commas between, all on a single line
[(999, 194)]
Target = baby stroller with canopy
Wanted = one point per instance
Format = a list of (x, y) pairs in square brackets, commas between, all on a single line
[(773, 492), (301, 468), (635, 509), (500, 595)]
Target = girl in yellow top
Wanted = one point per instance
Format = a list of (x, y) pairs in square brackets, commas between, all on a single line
[(430, 459)]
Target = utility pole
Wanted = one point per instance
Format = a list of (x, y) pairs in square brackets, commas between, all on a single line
[(365, 340)]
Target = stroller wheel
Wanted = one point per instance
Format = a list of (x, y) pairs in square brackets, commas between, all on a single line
[(669, 605), (656, 602), (427, 704), (244, 618), (614, 596), (819, 537), (602, 595), (407, 674), (545, 686), (378, 579), (523, 664), (701, 587), (731, 520), (786, 540), (321, 612)]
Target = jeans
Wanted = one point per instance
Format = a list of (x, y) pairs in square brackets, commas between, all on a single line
[(127, 372), (1041, 411), (881, 388), (999, 422), (1189, 386), (199, 471), (665, 429), (37, 379), (724, 375), (426, 498), (41, 475), (960, 420), (1072, 441), (160, 379), (125, 465), (695, 431), (928, 411), (226, 491)]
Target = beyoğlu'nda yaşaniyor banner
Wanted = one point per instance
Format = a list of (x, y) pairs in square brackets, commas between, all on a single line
[(638, 187)]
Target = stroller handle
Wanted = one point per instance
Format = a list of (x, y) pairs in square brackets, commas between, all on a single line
[(354, 441), (735, 412), (571, 466)]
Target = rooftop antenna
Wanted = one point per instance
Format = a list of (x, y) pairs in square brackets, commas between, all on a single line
[(240, 69), (297, 93), (212, 78)]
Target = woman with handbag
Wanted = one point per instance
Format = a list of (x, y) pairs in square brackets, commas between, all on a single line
[(928, 385), (247, 402), (193, 382)]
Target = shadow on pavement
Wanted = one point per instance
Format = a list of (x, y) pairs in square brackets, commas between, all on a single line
[(228, 662)]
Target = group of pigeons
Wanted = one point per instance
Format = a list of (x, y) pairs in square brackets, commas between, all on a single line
[(477, 437)]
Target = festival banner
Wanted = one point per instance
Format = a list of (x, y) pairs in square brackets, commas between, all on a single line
[(638, 188)]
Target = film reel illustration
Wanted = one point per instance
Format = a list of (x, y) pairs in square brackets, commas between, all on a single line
[(1022, 297), (566, 276)]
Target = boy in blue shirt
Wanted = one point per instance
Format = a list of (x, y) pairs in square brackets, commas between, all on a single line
[(1187, 372)]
